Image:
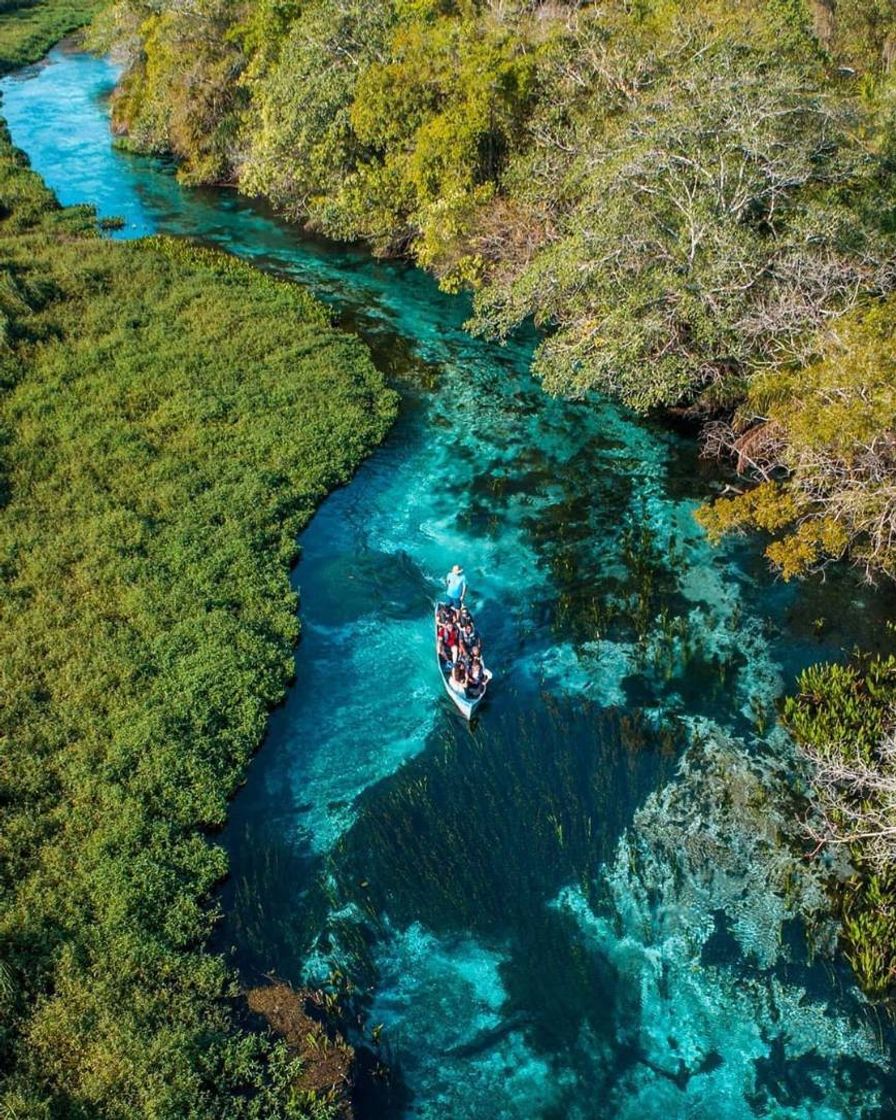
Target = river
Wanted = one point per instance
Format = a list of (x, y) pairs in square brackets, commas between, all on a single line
[(580, 906)]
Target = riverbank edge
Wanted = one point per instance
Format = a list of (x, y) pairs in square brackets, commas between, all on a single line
[(796, 554), (25, 40), (36, 59)]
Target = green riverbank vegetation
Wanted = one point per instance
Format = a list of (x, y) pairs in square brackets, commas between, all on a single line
[(689, 197), (695, 200), (169, 418), (28, 30)]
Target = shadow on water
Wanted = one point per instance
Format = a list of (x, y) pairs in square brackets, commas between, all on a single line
[(475, 835), (268, 902), (484, 826)]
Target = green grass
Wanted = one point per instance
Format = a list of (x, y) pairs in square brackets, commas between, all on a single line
[(27, 31), (169, 420)]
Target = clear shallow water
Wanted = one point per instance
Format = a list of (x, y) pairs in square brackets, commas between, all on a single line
[(579, 907)]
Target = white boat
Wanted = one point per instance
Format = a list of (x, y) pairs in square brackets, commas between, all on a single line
[(465, 706)]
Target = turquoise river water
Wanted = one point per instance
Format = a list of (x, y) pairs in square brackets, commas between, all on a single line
[(581, 906)]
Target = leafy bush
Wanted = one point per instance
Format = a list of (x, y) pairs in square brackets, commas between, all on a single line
[(170, 418), (843, 719)]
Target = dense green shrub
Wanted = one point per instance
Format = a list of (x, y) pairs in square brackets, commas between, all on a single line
[(170, 418), (686, 195), (842, 716)]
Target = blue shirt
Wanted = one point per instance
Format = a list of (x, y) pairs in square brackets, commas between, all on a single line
[(457, 584)]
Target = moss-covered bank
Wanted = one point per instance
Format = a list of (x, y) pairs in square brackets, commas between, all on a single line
[(170, 418)]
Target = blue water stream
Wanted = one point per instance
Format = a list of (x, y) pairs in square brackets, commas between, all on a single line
[(581, 905)]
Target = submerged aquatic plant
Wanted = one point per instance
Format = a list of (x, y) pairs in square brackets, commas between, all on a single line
[(692, 916)]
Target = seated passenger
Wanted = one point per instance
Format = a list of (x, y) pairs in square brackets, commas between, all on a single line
[(458, 679), (468, 634), (449, 639), (442, 625), (475, 680)]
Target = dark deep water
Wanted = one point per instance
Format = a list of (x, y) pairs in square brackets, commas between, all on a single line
[(579, 906)]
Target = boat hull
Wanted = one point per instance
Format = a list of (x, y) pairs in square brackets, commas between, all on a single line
[(465, 706)]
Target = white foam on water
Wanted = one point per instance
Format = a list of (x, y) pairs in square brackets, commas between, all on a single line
[(595, 669), (351, 683)]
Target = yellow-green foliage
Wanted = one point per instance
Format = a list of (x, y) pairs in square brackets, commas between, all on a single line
[(861, 33), (438, 118), (767, 506), (832, 440), (839, 717), (810, 545), (847, 399), (181, 92), (169, 418)]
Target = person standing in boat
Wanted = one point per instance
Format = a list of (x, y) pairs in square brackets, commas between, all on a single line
[(456, 587)]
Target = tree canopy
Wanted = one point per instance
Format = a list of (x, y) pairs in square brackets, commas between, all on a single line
[(685, 196)]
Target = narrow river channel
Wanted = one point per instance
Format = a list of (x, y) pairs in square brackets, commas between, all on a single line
[(580, 906)]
